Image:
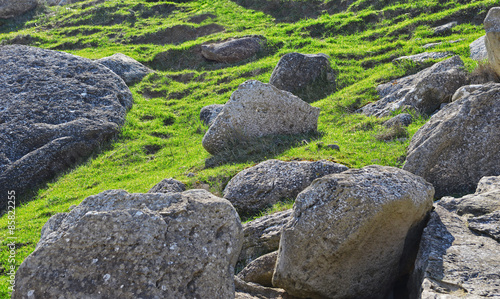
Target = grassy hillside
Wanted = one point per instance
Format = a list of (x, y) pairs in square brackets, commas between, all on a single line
[(163, 133)]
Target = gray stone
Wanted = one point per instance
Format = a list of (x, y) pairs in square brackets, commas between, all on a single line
[(431, 45), (492, 40), (56, 109), (444, 29), (262, 236), (402, 120), (460, 144), (458, 255), (260, 270), (425, 90), (129, 69), (168, 185), (478, 49), (465, 91), (423, 57), (249, 290), (333, 147), (353, 233), (256, 110), (209, 113), (13, 8), (233, 50), (121, 245), (261, 186), (295, 72)]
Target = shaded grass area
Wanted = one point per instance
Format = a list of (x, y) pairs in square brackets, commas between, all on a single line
[(162, 135)]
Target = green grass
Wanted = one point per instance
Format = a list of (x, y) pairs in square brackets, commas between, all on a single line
[(162, 135)]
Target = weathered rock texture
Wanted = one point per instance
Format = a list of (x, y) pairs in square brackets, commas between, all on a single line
[(260, 270), (478, 49), (401, 120), (249, 290), (262, 236), (422, 57), (492, 39), (121, 245), (209, 113), (14, 8), (255, 110), (233, 50), (295, 72), (465, 91), (56, 109), (460, 144), (444, 29), (459, 252), (425, 90), (272, 181), (352, 233), (168, 185), (129, 69)]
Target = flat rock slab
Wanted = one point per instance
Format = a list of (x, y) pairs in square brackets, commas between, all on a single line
[(459, 252), (255, 110), (129, 69), (56, 109), (425, 91), (233, 50), (121, 245), (460, 144), (13, 8), (423, 57)]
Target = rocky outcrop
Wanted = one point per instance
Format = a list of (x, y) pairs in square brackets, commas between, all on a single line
[(233, 50), (255, 110), (262, 236), (209, 113), (121, 245), (353, 233), (10, 9), (56, 109), (458, 255), (299, 73), (261, 270), (258, 187), (168, 185), (478, 49), (421, 58), (401, 120), (460, 144), (425, 90), (492, 39), (129, 69)]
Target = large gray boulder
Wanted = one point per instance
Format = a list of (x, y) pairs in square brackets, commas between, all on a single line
[(492, 39), (233, 50), (298, 73), (255, 110), (352, 234), (14, 8), (425, 91), (460, 144), (129, 69), (478, 49), (55, 109), (272, 181), (121, 245), (460, 248)]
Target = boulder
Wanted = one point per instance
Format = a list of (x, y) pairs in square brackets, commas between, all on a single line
[(460, 144), (10, 9), (249, 290), (233, 50), (458, 254), (401, 120), (425, 90), (168, 185), (261, 270), (299, 73), (353, 233), (129, 69), (56, 109), (121, 245), (492, 39), (209, 113), (262, 236), (444, 29), (478, 49), (422, 58), (255, 110), (261, 186)]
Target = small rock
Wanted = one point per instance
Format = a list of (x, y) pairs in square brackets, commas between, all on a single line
[(248, 290), (431, 45), (190, 175), (478, 49), (168, 185), (465, 91), (423, 57), (129, 69), (233, 50), (402, 120), (260, 270), (333, 147), (209, 113), (444, 29)]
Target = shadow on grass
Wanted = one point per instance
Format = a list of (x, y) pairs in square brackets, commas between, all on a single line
[(260, 149)]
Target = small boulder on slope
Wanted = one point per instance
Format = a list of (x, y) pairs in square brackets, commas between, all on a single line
[(129, 69), (233, 50)]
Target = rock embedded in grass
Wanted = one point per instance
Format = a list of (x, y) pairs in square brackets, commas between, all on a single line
[(121, 245), (492, 40), (421, 58), (168, 185), (233, 50), (460, 144), (353, 233), (56, 110), (129, 69), (255, 110), (478, 49)]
